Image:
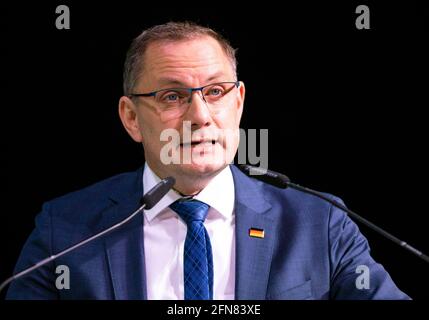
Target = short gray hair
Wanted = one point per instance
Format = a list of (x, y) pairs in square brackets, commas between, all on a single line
[(171, 31)]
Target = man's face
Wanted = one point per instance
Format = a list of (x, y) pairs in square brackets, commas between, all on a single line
[(188, 63)]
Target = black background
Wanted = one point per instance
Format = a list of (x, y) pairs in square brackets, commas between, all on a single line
[(345, 108)]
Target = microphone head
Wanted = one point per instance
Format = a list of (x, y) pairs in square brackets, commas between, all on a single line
[(152, 197), (271, 177)]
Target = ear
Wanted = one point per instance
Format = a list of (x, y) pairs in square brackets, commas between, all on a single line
[(128, 114), (240, 99)]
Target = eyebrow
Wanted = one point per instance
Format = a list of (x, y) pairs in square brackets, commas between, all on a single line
[(173, 81)]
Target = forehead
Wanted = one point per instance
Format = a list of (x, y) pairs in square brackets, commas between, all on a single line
[(186, 60)]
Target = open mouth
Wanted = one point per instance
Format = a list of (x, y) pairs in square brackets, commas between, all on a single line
[(198, 143)]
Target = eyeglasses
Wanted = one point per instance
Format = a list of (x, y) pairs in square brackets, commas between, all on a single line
[(173, 102)]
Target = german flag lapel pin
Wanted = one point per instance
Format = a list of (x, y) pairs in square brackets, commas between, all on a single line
[(256, 233)]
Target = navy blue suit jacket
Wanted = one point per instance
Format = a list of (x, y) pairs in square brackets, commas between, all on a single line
[(310, 250)]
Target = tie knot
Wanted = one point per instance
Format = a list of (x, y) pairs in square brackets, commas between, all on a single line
[(190, 210)]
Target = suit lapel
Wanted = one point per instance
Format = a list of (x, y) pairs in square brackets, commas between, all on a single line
[(253, 255), (124, 246)]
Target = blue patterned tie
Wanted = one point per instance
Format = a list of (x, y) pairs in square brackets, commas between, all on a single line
[(198, 259)]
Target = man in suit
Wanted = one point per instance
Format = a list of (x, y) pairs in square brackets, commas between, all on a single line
[(218, 234)]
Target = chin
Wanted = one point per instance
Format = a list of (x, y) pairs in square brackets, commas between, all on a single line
[(203, 160), (202, 167)]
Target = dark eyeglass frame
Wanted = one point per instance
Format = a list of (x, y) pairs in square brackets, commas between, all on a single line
[(191, 90)]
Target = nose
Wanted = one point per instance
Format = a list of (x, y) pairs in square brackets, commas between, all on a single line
[(199, 92), (198, 112)]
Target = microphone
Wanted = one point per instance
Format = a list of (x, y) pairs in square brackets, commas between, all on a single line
[(281, 181), (150, 199), (271, 177)]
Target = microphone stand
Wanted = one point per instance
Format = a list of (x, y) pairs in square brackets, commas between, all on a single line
[(281, 181), (149, 200)]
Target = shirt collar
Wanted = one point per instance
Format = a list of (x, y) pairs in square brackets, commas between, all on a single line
[(218, 194)]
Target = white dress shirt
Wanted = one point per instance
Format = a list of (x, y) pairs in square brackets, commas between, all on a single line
[(165, 234)]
